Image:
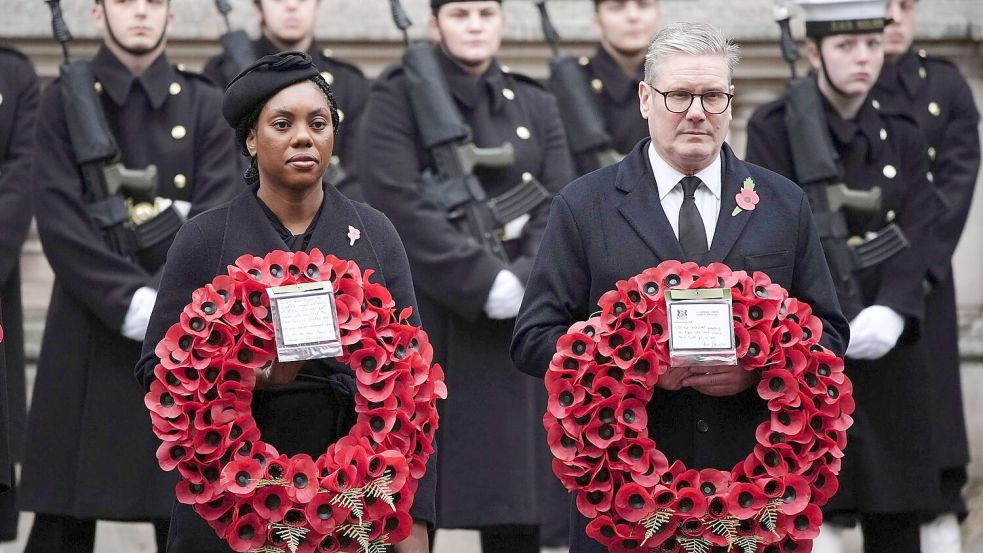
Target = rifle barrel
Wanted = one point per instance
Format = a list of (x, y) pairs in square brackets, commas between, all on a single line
[(58, 26), (549, 31)]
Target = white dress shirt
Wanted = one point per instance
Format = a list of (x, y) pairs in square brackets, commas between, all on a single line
[(707, 196)]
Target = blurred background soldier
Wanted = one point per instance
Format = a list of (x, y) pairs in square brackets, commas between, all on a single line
[(106, 217), (289, 25), (19, 96), (933, 92), (471, 224), (874, 208)]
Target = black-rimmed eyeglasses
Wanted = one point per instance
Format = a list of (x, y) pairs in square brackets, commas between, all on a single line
[(679, 101)]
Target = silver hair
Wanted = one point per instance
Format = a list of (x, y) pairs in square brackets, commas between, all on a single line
[(692, 39)]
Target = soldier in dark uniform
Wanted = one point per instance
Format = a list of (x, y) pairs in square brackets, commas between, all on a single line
[(672, 198), (882, 483), (90, 453), (19, 98), (289, 25), (931, 90), (491, 453), (615, 69)]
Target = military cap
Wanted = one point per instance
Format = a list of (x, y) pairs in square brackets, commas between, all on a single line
[(837, 17), (436, 4)]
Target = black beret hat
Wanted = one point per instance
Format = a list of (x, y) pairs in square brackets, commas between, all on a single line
[(436, 4), (263, 79)]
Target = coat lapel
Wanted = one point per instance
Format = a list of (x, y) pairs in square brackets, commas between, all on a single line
[(642, 206), (247, 230), (729, 227)]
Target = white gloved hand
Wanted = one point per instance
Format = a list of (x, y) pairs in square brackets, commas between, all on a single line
[(505, 296), (138, 315), (874, 332)]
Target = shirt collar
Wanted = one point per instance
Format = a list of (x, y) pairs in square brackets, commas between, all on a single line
[(469, 89), (117, 80), (667, 177), (617, 84), (867, 124)]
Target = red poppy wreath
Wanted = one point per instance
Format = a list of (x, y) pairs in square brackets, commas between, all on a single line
[(356, 496), (603, 376)]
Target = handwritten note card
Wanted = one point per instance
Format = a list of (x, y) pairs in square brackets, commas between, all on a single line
[(701, 325)]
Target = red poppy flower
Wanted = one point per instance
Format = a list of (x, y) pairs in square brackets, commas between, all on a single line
[(247, 533), (191, 492), (593, 502), (241, 476), (302, 479), (745, 500), (216, 508), (629, 540), (804, 525), (690, 502), (824, 485), (271, 503), (633, 503), (170, 454), (779, 385), (163, 401), (713, 482), (601, 529), (614, 306), (322, 515)]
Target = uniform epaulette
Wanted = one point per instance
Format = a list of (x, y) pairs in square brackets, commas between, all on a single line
[(523, 78), (932, 59)]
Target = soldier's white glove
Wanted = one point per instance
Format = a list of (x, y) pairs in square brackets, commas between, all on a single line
[(874, 332), (138, 315), (505, 296)]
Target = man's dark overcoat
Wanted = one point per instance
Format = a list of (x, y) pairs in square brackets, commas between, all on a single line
[(89, 452), (307, 415), (931, 90), (881, 472), (350, 89), (609, 226), (492, 420)]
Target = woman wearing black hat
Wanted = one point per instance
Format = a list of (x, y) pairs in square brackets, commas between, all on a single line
[(286, 120), (492, 452), (885, 481)]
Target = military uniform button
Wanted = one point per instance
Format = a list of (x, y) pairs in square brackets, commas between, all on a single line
[(922, 73), (335, 160), (1, 99), (178, 132), (597, 85), (876, 104), (341, 116), (527, 177), (98, 86), (883, 134), (931, 153), (506, 69), (583, 60), (174, 89), (934, 109), (142, 212), (180, 181), (890, 216), (702, 426), (890, 171), (327, 52), (182, 67), (930, 176), (522, 132), (508, 93), (922, 53), (328, 77), (855, 241)]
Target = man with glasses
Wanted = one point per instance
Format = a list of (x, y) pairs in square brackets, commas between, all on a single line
[(674, 197)]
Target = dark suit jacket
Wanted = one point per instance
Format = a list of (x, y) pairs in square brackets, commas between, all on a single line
[(290, 418), (610, 225)]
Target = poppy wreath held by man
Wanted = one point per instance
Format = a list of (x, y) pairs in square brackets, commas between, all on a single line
[(603, 375), (354, 497)]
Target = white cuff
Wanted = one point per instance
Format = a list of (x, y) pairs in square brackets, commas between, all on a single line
[(138, 315), (505, 296)]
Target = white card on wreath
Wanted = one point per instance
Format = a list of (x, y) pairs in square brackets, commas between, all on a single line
[(305, 321), (701, 327)]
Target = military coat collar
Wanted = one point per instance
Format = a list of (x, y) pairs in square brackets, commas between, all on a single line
[(904, 74), (868, 124), (618, 85), (470, 90), (117, 80), (642, 207)]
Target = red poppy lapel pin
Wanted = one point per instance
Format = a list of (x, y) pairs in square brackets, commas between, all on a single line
[(747, 198)]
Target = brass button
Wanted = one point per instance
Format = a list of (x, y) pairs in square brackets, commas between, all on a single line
[(876, 104), (142, 212), (508, 93), (180, 181), (922, 53), (341, 116), (178, 132), (883, 134), (327, 52), (1, 99), (922, 73), (527, 177), (98, 87), (522, 132), (890, 216), (506, 69), (702, 426), (934, 109), (328, 77), (174, 89), (854, 241), (889, 171), (597, 85), (931, 153), (182, 67), (583, 60)]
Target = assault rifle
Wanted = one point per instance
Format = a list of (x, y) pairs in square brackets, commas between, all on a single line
[(818, 171), (582, 120), (237, 49), (98, 156), (453, 186)]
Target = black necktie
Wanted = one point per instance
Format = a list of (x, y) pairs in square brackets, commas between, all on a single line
[(692, 234)]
